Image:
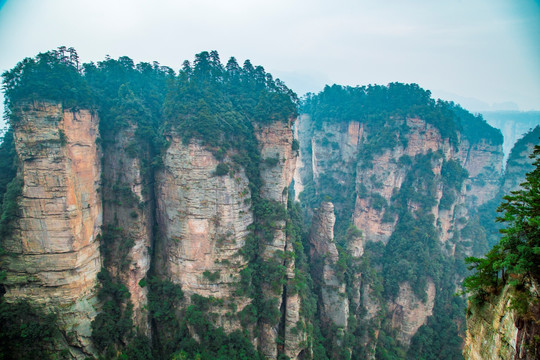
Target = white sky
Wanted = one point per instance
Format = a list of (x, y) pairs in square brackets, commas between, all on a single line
[(476, 52)]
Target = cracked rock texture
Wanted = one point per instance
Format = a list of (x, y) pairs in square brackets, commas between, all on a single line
[(203, 221), (54, 250)]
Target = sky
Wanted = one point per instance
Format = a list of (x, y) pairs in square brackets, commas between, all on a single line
[(483, 54)]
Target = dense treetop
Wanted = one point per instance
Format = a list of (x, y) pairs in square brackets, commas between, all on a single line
[(378, 105), (203, 94)]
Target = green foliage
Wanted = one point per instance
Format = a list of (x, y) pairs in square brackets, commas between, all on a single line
[(26, 331), (10, 206), (54, 75), (218, 105), (115, 247), (415, 243), (113, 325), (8, 166), (378, 107), (474, 127), (221, 169), (10, 186), (521, 146), (516, 259), (211, 276), (441, 337), (453, 174)]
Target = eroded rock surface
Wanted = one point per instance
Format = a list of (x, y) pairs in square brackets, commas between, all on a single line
[(203, 220), (54, 250)]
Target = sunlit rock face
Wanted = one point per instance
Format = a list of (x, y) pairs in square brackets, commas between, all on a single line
[(203, 221), (54, 250), (491, 330)]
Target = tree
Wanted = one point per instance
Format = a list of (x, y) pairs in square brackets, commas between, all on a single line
[(516, 259)]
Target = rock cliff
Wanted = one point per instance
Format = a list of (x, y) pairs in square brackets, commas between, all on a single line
[(203, 220), (498, 327), (53, 252), (278, 163), (128, 218), (392, 178), (334, 304)]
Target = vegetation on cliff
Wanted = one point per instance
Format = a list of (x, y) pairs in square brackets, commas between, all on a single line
[(414, 253), (218, 106), (383, 108), (516, 258), (10, 185), (512, 266)]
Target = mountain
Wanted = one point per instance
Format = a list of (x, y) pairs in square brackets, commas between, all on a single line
[(513, 124), (209, 214)]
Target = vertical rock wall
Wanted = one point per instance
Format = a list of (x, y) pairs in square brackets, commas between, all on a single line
[(278, 164), (128, 213), (333, 156), (53, 253), (203, 221), (334, 304)]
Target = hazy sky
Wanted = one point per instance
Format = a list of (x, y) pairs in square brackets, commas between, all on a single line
[(477, 52)]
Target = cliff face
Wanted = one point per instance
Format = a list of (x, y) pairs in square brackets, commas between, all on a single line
[(170, 234), (519, 162), (491, 333), (128, 216), (334, 304), (513, 125), (484, 161), (421, 174), (495, 329), (278, 164), (53, 256), (203, 220)]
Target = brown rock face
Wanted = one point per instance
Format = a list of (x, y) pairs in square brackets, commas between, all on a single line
[(128, 210), (387, 175), (491, 333), (54, 256), (275, 142), (203, 221)]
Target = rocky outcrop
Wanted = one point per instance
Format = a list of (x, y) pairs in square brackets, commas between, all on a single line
[(278, 163), (53, 253), (484, 162), (513, 125), (334, 305), (365, 180), (409, 312), (203, 221), (519, 162), (128, 214), (496, 331), (278, 160), (491, 333)]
